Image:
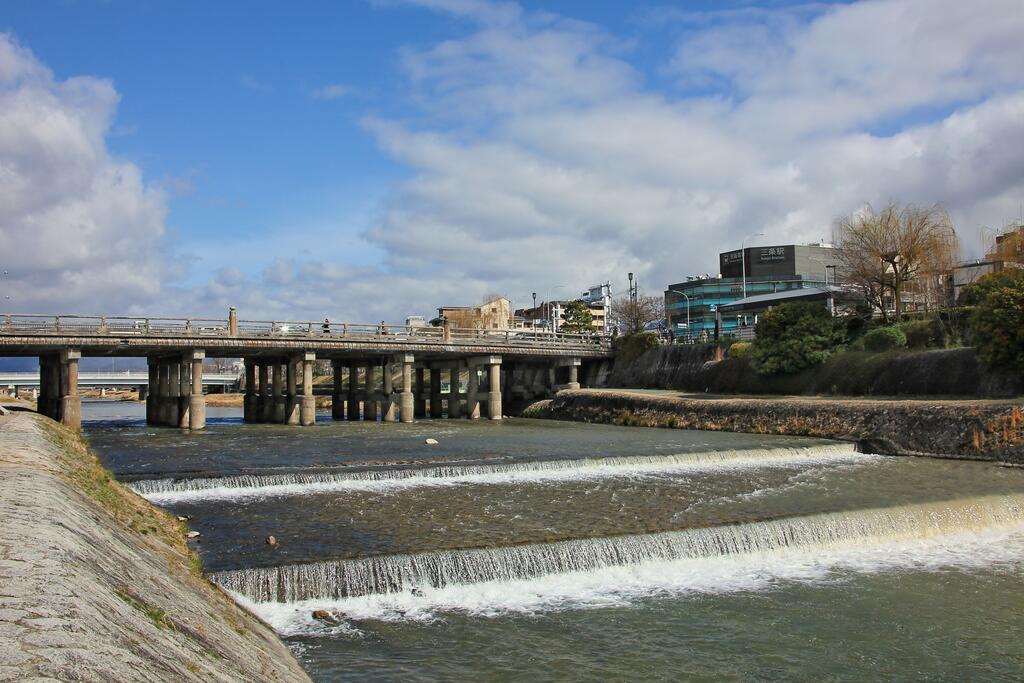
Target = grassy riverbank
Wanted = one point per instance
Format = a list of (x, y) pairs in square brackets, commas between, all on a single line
[(100, 585)]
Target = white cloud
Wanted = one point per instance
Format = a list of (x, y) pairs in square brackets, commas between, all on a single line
[(544, 162), (254, 84), (79, 229), (555, 164), (333, 91)]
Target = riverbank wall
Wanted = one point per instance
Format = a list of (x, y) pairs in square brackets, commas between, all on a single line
[(977, 430), (99, 585), (945, 373)]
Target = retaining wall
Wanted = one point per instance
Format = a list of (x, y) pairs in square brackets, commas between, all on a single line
[(979, 430), (949, 372)]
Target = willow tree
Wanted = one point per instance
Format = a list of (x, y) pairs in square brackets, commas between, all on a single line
[(884, 251)]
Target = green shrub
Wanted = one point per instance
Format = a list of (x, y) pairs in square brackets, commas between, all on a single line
[(998, 319), (925, 334), (629, 347), (884, 339), (740, 350), (795, 336)]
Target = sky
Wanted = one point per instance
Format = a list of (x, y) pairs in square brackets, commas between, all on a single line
[(366, 160)]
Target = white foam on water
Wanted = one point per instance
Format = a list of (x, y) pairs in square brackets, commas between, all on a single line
[(970, 534), (170, 491), (623, 586)]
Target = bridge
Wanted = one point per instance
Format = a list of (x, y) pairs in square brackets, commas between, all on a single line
[(378, 371), (127, 378)]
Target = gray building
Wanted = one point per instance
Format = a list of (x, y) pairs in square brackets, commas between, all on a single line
[(769, 270)]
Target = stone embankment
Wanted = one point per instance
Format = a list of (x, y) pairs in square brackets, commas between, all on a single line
[(938, 373), (96, 584), (979, 430)]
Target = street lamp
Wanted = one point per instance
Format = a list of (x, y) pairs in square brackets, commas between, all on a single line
[(743, 259), (676, 291)]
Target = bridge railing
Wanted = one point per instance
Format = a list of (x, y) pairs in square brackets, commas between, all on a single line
[(129, 326)]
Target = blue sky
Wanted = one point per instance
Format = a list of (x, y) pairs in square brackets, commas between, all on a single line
[(376, 159)]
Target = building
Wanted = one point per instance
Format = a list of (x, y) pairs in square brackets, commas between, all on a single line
[(970, 271), (691, 305), (599, 299), (550, 315), (493, 314)]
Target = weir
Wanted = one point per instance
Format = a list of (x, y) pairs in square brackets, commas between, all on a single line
[(398, 573), (167, 491)]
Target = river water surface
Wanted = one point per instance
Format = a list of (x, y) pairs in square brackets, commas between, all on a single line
[(538, 550)]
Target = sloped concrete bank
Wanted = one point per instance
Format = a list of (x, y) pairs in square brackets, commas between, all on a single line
[(977, 430), (96, 584)]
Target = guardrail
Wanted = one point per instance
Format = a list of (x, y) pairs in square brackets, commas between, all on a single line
[(126, 326)]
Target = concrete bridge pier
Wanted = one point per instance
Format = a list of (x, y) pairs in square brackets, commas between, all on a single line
[(307, 411), (494, 388), (493, 366), (472, 389), (454, 397), (266, 401), (184, 390), (250, 406), (173, 391), (407, 400), (337, 398), (574, 367), (390, 404), (49, 402), (278, 410), (163, 390), (353, 392), (370, 393), (419, 394), (293, 404), (197, 400), (436, 410), (70, 401), (153, 399)]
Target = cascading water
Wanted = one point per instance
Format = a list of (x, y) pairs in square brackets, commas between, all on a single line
[(396, 573), (242, 486)]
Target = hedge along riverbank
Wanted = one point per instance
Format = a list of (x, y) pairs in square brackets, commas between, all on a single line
[(949, 372), (989, 430)]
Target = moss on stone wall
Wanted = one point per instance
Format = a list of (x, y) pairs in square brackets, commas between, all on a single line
[(992, 430)]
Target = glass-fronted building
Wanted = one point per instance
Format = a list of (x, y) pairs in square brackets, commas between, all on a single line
[(768, 269)]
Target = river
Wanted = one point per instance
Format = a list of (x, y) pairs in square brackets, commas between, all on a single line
[(540, 550)]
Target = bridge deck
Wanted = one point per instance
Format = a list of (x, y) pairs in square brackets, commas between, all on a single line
[(27, 335)]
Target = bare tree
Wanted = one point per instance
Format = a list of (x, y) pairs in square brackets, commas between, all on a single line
[(630, 317), (882, 252)]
